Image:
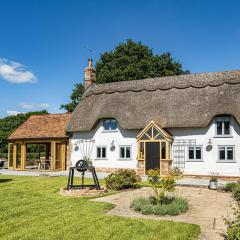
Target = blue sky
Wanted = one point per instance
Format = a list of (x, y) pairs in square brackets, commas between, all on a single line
[(42, 43)]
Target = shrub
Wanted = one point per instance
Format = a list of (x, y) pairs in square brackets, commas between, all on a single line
[(176, 172), (122, 179), (236, 193), (170, 206), (231, 186), (233, 225), (214, 176), (160, 185)]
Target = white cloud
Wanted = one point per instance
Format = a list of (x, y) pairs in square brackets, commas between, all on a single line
[(15, 72), (29, 106), (12, 113)]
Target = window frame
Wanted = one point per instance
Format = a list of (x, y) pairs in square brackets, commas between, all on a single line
[(225, 150), (222, 119), (109, 130), (101, 158), (125, 158), (194, 153)]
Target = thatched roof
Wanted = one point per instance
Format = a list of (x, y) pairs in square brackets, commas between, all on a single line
[(42, 127), (178, 101)]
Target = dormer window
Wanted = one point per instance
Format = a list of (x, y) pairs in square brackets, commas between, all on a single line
[(223, 126), (110, 124)]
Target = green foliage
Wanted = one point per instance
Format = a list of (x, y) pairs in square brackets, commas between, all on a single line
[(122, 179), (75, 97), (214, 176), (170, 206), (233, 225), (33, 207), (133, 60), (9, 124), (236, 193), (231, 186), (128, 61), (160, 185), (176, 172)]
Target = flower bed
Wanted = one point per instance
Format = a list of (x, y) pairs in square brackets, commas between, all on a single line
[(169, 206)]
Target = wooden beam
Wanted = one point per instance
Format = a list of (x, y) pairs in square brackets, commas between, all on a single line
[(23, 156), (14, 156), (53, 155), (9, 155), (63, 156)]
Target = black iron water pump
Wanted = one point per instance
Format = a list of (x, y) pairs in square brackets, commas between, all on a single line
[(82, 166)]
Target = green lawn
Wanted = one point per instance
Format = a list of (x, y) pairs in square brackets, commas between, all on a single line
[(31, 208)]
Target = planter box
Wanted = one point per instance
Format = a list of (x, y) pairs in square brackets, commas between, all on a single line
[(213, 185)]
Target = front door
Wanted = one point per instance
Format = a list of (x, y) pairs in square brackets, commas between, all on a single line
[(152, 156)]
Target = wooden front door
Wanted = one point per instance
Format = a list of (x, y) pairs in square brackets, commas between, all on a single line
[(152, 156)]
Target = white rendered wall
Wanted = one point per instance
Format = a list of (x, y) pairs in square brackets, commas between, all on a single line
[(105, 138), (210, 161)]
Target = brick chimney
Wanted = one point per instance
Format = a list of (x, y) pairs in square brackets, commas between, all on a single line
[(89, 74)]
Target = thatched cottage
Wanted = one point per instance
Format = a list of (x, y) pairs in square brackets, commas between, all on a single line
[(189, 121)]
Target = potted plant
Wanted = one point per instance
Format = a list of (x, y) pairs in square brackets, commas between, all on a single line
[(213, 182)]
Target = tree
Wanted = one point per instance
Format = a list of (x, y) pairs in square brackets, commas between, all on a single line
[(133, 60), (9, 124), (75, 97), (128, 61)]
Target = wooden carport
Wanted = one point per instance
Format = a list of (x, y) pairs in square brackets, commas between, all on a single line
[(39, 143)]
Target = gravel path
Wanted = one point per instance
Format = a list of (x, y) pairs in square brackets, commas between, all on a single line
[(207, 208)]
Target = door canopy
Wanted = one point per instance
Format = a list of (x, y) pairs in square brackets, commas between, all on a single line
[(153, 132)]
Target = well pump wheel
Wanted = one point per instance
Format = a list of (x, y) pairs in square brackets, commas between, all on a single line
[(81, 166)]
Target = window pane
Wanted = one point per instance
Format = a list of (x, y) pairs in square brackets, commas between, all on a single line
[(145, 137), (230, 153), (191, 153), (226, 127), (155, 132), (103, 152), (149, 132), (106, 124), (163, 144), (219, 128), (98, 152), (122, 152), (128, 150), (198, 153), (113, 124), (222, 153), (141, 150)]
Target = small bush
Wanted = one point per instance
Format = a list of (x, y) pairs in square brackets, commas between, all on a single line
[(170, 206), (236, 193), (160, 185), (231, 186), (176, 172), (233, 225), (122, 179)]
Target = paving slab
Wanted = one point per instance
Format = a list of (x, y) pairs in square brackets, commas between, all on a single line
[(207, 208)]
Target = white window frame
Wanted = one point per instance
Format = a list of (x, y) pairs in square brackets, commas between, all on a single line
[(125, 146), (222, 119), (109, 130), (226, 160), (194, 149), (101, 158)]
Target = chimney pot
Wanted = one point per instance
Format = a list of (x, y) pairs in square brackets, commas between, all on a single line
[(90, 63)]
